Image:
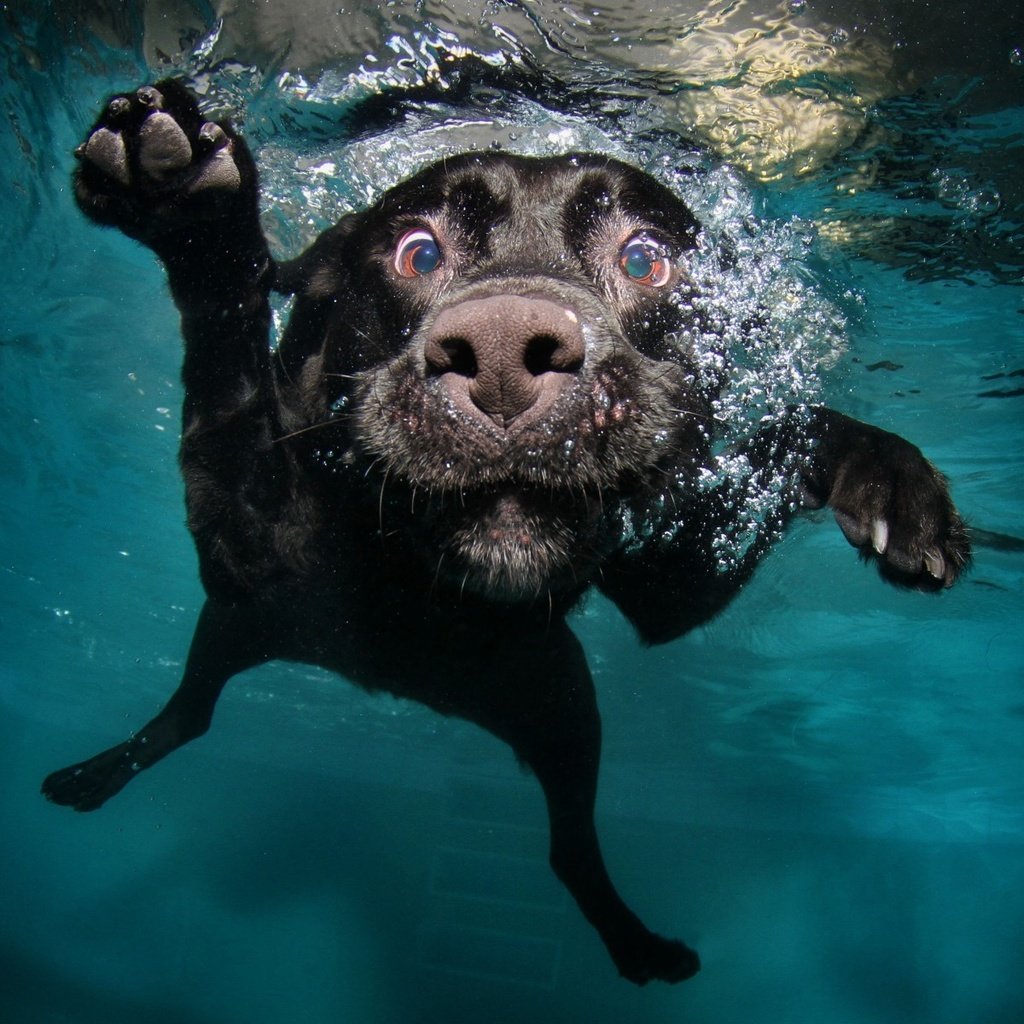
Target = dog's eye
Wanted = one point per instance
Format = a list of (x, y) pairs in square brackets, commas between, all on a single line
[(645, 261), (417, 253)]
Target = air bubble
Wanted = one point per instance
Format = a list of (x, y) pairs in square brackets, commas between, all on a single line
[(960, 193), (984, 202)]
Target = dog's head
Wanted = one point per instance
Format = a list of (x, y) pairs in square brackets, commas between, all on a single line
[(498, 344)]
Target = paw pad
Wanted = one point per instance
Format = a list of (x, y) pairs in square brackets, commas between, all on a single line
[(163, 146), (149, 150), (106, 150)]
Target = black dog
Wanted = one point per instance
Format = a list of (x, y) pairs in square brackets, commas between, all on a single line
[(477, 412)]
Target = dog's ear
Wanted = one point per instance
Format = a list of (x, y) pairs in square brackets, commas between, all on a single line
[(309, 273), (318, 279)]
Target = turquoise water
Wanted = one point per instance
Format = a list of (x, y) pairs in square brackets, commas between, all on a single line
[(822, 791)]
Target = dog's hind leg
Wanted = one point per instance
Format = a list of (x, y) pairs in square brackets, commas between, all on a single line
[(547, 711), (227, 641)]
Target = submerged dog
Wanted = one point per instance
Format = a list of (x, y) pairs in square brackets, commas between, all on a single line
[(479, 394)]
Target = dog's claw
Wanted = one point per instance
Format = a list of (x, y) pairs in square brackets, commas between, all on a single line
[(880, 536), (935, 564)]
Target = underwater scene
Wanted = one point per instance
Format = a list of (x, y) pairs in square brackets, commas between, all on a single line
[(820, 788)]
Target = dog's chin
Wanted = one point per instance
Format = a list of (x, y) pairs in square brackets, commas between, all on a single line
[(512, 547)]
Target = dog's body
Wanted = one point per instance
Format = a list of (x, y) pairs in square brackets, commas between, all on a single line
[(478, 390)]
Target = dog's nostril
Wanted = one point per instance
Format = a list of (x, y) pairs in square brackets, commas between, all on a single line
[(461, 356), (545, 352), (452, 355)]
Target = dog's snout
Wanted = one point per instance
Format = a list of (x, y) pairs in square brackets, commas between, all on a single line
[(505, 354)]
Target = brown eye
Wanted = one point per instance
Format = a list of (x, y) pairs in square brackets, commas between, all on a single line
[(645, 261), (417, 253)]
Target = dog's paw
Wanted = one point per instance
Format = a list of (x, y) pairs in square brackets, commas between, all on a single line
[(90, 784), (152, 164), (894, 505), (649, 957)]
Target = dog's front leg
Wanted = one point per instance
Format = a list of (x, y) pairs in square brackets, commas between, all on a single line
[(156, 169)]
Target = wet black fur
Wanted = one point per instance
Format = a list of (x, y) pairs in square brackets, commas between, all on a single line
[(348, 514)]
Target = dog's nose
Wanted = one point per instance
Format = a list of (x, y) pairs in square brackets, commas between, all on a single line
[(506, 353)]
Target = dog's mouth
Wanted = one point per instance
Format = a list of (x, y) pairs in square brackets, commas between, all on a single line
[(513, 543), (507, 521)]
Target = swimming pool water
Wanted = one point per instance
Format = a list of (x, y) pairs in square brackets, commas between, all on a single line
[(822, 791)]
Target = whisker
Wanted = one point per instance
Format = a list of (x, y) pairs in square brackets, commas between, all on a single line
[(697, 415), (376, 395), (304, 430), (437, 575), (360, 332), (279, 356), (669, 369), (380, 505), (672, 497)]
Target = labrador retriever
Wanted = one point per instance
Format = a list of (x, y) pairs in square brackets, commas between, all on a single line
[(480, 409)]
